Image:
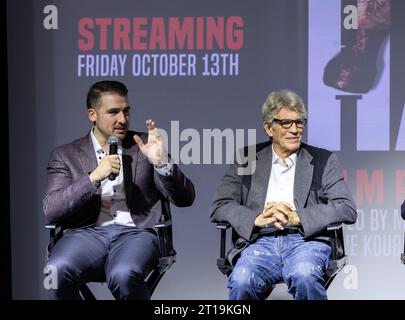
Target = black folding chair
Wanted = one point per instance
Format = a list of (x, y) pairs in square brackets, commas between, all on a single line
[(167, 253), (337, 260)]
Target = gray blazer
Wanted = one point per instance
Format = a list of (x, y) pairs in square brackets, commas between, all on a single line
[(321, 196), (72, 200)]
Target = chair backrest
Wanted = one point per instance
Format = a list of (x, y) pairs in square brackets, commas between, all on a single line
[(165, 238)]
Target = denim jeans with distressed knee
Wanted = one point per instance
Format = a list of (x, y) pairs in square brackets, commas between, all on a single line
[(272, 259)]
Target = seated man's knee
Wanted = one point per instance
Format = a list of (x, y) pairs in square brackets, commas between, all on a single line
[(246, 284), (306, 274), (306, 282), (122, 275), (61, 267), (126, 283), (244, 277)]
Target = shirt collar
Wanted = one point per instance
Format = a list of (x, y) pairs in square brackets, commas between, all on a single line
[(290, 161), (97, 146)]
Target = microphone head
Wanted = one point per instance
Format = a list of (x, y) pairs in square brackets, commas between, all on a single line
[(113, 139)]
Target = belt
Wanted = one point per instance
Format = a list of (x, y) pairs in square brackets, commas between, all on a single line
[(277, 233)]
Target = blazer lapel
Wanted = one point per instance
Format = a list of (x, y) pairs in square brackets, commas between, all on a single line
[(87, 156), (303, 177), (260, 179), (129, 161)]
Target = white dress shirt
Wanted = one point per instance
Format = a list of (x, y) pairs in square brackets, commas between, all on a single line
[(281, 181), (114, 209)]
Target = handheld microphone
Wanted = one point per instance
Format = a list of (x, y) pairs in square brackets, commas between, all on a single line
[(113, 142)]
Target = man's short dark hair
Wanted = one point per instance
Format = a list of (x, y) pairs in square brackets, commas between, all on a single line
[(98, 88)]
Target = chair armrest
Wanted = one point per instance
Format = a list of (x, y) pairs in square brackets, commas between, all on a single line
[(54, 229), (55, 233), (403, 254), (337, 241), (222, 264), (165, 237), (223, 225), (163, 224), (334, 226)]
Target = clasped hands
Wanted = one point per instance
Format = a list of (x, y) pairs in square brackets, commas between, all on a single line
[(278, 214)]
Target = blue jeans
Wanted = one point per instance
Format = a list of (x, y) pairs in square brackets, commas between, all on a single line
[(289, 258), (122, 256)]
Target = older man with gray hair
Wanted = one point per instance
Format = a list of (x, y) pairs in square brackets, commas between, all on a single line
[(281, 210)]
